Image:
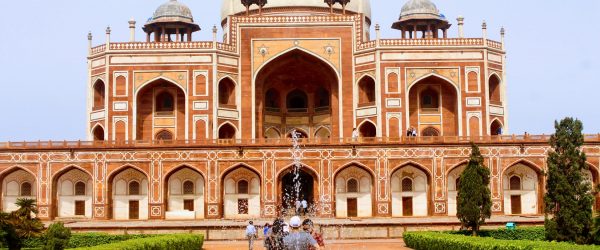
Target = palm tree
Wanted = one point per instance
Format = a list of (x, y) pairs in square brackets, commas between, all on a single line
[(27, 207), (26, 225)]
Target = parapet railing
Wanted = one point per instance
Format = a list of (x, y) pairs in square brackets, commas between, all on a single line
[(376, 141)]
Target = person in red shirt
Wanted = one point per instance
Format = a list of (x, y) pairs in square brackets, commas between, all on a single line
[(309, 227)]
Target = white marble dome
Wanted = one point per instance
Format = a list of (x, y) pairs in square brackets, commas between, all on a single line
[(232, 7), (420, 9)]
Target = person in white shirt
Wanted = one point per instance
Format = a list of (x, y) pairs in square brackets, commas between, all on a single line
[(251, 234), (355, 134), (304, 207), (298, 206)]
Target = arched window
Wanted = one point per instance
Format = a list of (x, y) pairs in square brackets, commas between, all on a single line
[(272, 101), (496, 128), (134, 188), (164, 136), (407, 185), (99, 95), (188, 187), (430, 131), (367, 129), (226, 92), (494, 95), (165, 104), (297, 101), (242, 187), (26, 189), (80, 188), (322, 100), (366, 91), (98, 133), (429, 100), (352, 186), (515, 183), (226, 131)]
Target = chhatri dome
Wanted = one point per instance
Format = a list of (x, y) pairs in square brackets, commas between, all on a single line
[(421, 16), (171, 18), (232, 7)]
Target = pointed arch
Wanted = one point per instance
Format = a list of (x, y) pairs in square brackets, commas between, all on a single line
[(496, 127), (236, 205), (412, 84), (324, 60), (184, 189), (366, 90), (417, 201), (227, 92), (98, 132), (322, 132), (495, 89), (227, 131), (7, 203), (99, 94), (272, 133), (367, 128)]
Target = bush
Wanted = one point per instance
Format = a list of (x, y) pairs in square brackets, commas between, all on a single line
[(57, 237), (88, 239), (175, 241), (525, 233), (445, 241)]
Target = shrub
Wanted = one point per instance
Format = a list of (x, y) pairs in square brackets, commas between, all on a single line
[(445, 241), (88, 239), (525, 233), (175, 241), (57, 237)]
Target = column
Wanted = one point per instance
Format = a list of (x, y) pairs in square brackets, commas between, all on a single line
[(189, 35), (163, 36), (177, 35), (403, 33), (445, 33), (415, 36), (148, 37)]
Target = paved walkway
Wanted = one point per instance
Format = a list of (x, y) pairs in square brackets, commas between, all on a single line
[(187, 224), (395, 244)]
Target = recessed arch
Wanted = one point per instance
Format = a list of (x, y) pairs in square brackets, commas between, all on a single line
[(366, 90), (322, 132), (301, 133), (9, 196), (528, 198), (182, 200), (164, 135), (227, 131), (99, 94), (274, 58), (412, 84), (227, 92), (418, 200), (446, 113), (496, 127), (238, 205), (98, 132), (272, 133), (125, 204), (367, 128), (296, 70), (495, 89), (349, 204)]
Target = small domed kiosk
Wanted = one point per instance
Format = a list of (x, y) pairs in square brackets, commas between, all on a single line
[(171, 18), (421, 16)]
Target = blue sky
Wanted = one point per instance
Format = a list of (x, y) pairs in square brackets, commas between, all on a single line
[(553, 57)]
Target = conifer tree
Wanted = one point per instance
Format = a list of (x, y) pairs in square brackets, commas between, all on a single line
[(474, 198), (568, 200)]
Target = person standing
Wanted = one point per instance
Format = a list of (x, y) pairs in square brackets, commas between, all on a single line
[(355, 134), (298, 206), (251, 234), (304, 206), (299, 240), (309, 227)]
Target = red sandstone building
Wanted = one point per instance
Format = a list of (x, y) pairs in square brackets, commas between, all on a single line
[(184, 129)]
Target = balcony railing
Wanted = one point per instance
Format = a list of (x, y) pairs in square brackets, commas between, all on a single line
[(285, 142)]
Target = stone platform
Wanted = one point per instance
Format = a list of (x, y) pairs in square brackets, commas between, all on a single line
[(332, 229)]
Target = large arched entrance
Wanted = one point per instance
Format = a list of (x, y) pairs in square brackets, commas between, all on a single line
[(160, 110), (297, 184), (128, 194), (433, 107), (297, 90), (353, 192), (241, 193), (17, 183), (410, 191), (184, 189), (522, 186), (72, 194)]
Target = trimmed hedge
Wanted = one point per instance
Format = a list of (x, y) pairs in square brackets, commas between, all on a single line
[(89, 239), (445, 241), (175, 242), (523, 233)]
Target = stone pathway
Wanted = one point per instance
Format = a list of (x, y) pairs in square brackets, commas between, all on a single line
[(330, 245), (187, 224)]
